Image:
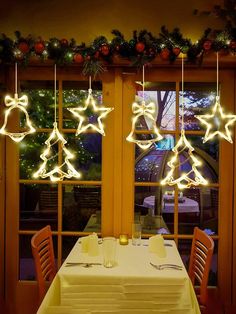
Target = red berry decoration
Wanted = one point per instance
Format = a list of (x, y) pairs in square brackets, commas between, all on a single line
[(105, 50), (207, 45), (64, 42), (176, 51), (140, 47), (78, 58), (232, 44), (23, 47), (165, 54), (39, 47)]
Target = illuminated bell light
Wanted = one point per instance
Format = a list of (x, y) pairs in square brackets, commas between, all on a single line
[(217, 122), (19, 103), (148, 112), (56, 174), (184, 180), (90, 103)]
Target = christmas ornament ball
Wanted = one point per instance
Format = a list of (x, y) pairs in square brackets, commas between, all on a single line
[(39, 47), (69, 57), (165, 53), (207, 45), (176, 51), (105, 50), (23, 47), (140, 47), (64, 42), (232, 44), (78, 58)]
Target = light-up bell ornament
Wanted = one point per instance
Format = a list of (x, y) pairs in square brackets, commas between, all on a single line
[(19, 103), (177, 176), (57, 173), (101, 111), (217, 123), (146, 111)]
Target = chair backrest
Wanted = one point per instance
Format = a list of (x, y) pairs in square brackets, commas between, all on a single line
[(200, 262), (43, 253)]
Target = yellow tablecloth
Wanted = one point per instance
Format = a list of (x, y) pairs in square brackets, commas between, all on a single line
[(132, 286)]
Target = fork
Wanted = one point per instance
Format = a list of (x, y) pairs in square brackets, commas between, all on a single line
[(164, 266), (86, 265)]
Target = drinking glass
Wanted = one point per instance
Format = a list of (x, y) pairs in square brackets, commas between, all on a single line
[(109, 251), (136, 233)]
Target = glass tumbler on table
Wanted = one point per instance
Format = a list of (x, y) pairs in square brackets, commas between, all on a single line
[(136, 233), (109, 251)]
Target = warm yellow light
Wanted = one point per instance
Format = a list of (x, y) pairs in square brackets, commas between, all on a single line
[(57, 173), (186, 179), (217, 123), (148, 112), (19, 103), (90, 103)]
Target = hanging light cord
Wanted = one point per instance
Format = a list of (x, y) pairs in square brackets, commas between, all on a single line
[(182, 98), (16, 78), (217, 74), (143, 82), (55, 92)]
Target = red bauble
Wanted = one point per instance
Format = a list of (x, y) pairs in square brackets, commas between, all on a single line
[(105, 50), (78, 58), (140, 46), (232, 44), (39, 47), (165, 54), (23, 47), (207, 45), (176, 51), (64, 42), (96, 55)]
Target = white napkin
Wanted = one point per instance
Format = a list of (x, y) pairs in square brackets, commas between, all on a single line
[(156, 245), (89, 244)]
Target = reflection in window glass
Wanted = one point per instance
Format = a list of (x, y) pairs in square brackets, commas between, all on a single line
[(67, 245), (163, 95), (38, 206), (75, 95), (82, 208), (198, 99)]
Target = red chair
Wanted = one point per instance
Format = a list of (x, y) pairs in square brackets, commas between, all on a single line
[(200, 263), (44, 260)]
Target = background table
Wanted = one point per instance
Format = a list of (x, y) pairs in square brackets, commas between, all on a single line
[(132, 286), (186, 206)]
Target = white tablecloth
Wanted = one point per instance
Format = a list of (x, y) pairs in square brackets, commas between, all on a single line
[(132, 286), (187, 205)]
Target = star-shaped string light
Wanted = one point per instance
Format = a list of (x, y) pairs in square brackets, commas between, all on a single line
[(183, 165), (63, 169), (217, 122), (146, 111), (100, 112), (19, 103)]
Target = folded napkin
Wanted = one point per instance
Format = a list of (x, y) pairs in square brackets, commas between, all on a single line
[(156, 245), (89, 244)]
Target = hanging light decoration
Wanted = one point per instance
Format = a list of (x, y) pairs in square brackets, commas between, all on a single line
[(191, 175), (16, 103), (100, 113), (65, 169), (217, 122), (146, 111)]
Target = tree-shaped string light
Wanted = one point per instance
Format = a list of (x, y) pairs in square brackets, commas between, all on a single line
[(16, 103), (217, 122), (100, 113), (146, 111), (64, 169), (183, 165)]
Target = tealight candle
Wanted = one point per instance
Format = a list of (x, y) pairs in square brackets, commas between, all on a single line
[(123, 240)]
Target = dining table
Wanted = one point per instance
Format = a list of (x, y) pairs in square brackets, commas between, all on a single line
[(133, 285)]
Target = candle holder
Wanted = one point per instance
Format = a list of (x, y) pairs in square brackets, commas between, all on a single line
[(123, 240)]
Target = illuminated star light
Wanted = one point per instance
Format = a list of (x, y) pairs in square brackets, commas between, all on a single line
[(146, 111), (90, 103), (19, 103), (56, 174), (217, 122), (185, 180)]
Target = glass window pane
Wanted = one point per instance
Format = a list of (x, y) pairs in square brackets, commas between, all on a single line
[(87, 150), (82, 208), (163, 95), (38, 206), (198, 99), (41, 102), (67, 245), (150, 164), (75, 94)]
